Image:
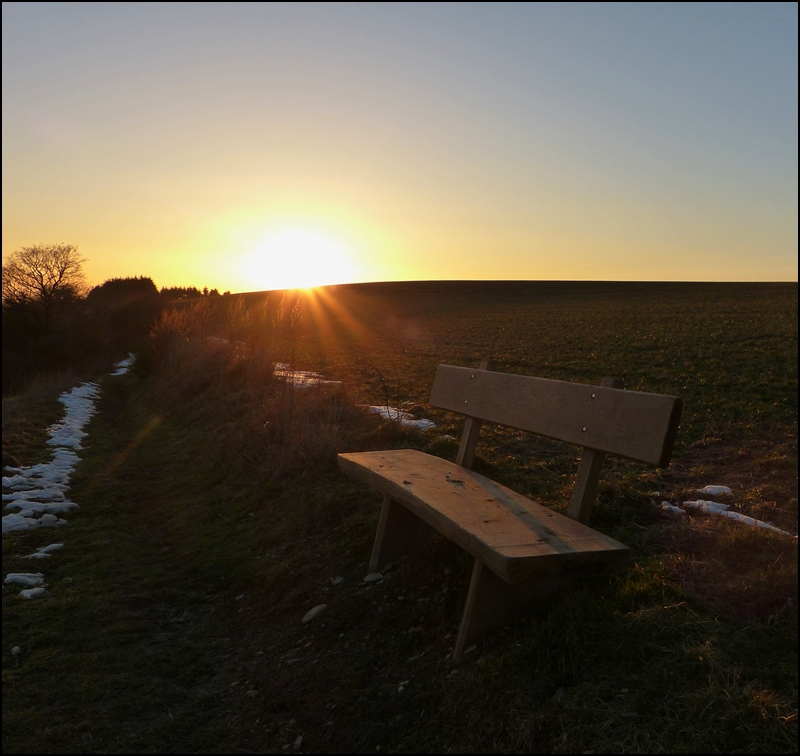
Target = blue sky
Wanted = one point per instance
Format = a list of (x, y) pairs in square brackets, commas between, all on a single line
[(251, 146)]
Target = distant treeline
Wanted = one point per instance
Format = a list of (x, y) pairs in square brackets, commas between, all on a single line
[(174, 293), (83, 333)]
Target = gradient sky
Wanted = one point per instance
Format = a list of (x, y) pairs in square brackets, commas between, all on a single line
[(250, 146)]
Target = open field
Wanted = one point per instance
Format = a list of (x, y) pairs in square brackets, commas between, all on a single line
[(213, 516)]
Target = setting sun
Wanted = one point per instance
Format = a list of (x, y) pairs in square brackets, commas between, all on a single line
[(296, 259)]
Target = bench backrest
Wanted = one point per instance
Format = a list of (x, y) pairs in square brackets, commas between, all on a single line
[(629, 424)]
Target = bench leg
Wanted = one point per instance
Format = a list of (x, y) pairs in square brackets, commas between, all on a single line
[(399, 531), (492, 603)]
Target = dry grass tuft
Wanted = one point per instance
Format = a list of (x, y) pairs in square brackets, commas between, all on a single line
[(731, 568)]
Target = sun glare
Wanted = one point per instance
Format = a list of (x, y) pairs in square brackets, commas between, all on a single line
[(297, 259)]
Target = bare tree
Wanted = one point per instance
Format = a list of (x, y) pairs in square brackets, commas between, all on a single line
[(43, 276)]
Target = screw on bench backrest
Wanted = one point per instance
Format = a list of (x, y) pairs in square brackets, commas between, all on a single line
[(472, 427), (582, 499)]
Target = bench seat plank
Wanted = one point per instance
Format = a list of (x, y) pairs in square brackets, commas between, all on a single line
[(512, 535)]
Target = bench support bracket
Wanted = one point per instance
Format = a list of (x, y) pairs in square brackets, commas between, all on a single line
[(400, 532), (580, 504), (492, 603)]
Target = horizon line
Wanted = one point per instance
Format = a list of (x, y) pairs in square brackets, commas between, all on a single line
[(516, 281)]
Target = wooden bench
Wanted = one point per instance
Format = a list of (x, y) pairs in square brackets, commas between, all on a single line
[(525, 554)]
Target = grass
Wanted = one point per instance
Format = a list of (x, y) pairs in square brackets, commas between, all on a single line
[(27, 416), (213, 516)]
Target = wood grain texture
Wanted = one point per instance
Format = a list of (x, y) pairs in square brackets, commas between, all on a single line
[(630, 424), (582, 499), (512, 535)]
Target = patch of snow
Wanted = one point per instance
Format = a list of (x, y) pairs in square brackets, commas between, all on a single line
[(307, 378), (27, 579), (79, 403), (25, 521), (302, 378), (31, 495), (713, 507), (713, 490), (123, 366), (45, 551), (667, 507), (401, 416), (32, 592), (41, 489)]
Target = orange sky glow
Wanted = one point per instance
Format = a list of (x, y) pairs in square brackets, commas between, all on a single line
[(266, 146)]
